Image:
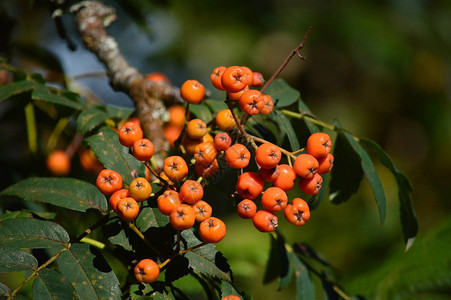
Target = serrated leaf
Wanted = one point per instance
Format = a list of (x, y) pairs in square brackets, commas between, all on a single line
[(371, 175), (117, 112), (265, 127), (12, 260), (409, 220), (282, 93), (114, 156), (43, 93), (151, 217), (201, 112), (115, 233), (51, 284), (15, 88), (346, 173), (89, 273), (69, 193), (32, 233), (286, 127), (206, 259), (228, 289), (15, 215), (307, 251), (303, 109), (4, 290), (90, 119), (278, 265), (215, 105), (305, 289)]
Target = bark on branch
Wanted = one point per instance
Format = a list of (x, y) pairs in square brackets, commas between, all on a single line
[(92, 19)]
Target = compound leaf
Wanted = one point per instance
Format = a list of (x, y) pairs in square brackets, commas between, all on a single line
[(12, 260), (201, 112), (51, 284), (90, 119), (89, 273), (44, 93), (282, 93), (32, 233), (69, 193), (304, 110), (305, 288), (278, 264), (151, 217), (15, 88), (228, 289), (286, 127)]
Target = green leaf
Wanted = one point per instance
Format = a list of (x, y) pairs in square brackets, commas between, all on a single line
[(282, 93), (228, 289), (117, 112), (346, 173), (32, 233), (303, 109), (371, 175), (215, 105), (15, 214), (278, 265), (51, 284), (151, 217), (206, 259), (4, 290), (89, 273), (115, 233), (15, 88), (316, 200), (286, 127), (90, 119), (12, 260), (409, 220), (201, 112), (264, 127), (43, 93), (114, 156), (305, 289), (69, 193)]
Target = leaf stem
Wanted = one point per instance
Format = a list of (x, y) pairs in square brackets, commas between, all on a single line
[(31, 127), (235, 117), (142, 237), (93, 242), (308, 118), (53, 139)]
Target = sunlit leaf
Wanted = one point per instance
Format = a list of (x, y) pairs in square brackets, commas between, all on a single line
[(51, 284), (114, 156), (89, 273), (228, 289), (90, 119), (286, 127), (118, 112), (115, 232), (409, 220), (69, 193), (303, 109), (4, 290), (12, 260), (15, 88), (215, 105), (32, 233), (282, 93), (201, 112), (151, 217), (43, 93)]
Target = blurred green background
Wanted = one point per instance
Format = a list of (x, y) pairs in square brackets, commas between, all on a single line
[(383, 68)]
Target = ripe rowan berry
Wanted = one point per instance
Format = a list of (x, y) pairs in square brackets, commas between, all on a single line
[(58, 163), (175, 168), (246, 209), (251, 102), (140, 189), (268, 155), (130, 133), (257, 79), (248, 74), (192, 91), (143, 149), (311, 186), (146, 271), (108, 181), (136, 121), (206, 170), (215, 77), (236, 96), (231, 297), (191, 191), (305, 166), (224, 120), (164, 177), (205, 153), (265, 221), (190, 144), (168, 201), (118, 195), (274, 199), (171, 133), (326, 164), (182, 217), (268, 106), (249, 185), (157, 77), (237, 156), (269, 174), (177, 115), (202, 210), (89, 161), (234, 79), (319, 144), (286, 178), (196, 129), (297, 212), (222, 141), (127, 209), (212, 230)]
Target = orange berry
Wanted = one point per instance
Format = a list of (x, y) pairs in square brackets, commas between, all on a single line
[(215, 77), (190, 144), (175, 168), (203, 210), (268, 106), (234, 79), (224, 120), (251, 102), (298, 212), (206, 170), (212, 230), (130, 133), (157, 77), (168, 201), (146, 271), (127, 209), (326, 164), (191, 191), (118, 195), (319, 144), (257, 79), (108, 181), (58, 163), (222, 141), (89, 161), (269, 174), (192, 91), (265, 221), (236, 96), (196, 129), (268, 155), (140, 189), (311, 186), (246, 209), (231, 297), (305, 166), (143, 149), (286, 178), (237, 156), (182, 217), (274, 199), (172, 133), (205, 153), (177, 115), (249, 185)]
